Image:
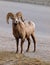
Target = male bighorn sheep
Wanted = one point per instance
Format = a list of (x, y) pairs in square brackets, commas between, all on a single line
[(22, 30)]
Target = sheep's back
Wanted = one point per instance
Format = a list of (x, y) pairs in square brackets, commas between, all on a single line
[(30, 27)]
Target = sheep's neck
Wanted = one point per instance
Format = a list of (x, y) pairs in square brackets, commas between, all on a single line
[(14, 29), (13, 25)]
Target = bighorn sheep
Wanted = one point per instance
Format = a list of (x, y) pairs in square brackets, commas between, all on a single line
[(22, 30)]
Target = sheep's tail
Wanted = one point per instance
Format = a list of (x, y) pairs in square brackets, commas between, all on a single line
[(9, 15), (33, 24)]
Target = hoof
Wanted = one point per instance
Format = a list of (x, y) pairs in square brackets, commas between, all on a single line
[(34, 50), (16, 51), (21, 52), (26, 50)]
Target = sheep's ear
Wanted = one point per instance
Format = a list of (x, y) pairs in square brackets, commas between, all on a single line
[(9, 15)]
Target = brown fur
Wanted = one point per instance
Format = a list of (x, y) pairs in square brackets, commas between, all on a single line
[(23, 31)]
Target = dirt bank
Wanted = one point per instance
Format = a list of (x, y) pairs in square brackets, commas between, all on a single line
[(10, 58)]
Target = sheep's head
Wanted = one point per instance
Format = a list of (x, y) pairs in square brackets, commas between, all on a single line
[(13, 17), (20, 16)]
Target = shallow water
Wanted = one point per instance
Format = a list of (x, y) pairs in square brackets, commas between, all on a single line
[(38, 14)]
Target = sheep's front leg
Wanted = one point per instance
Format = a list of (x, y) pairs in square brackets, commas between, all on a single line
[(17, 43), (22, 41)]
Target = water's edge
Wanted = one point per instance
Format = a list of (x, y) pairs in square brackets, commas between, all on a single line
[(38, 2)]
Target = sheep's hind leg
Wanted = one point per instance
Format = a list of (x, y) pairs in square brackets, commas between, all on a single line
[(17, 43), (34, 40), (28, 44)]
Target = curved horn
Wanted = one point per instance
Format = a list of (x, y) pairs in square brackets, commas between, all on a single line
[(20, 15), (9, 15)]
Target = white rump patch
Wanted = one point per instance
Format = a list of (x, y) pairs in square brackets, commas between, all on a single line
[(33, 23)]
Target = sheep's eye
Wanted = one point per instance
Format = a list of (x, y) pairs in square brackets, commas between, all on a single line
[(16, 21)]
